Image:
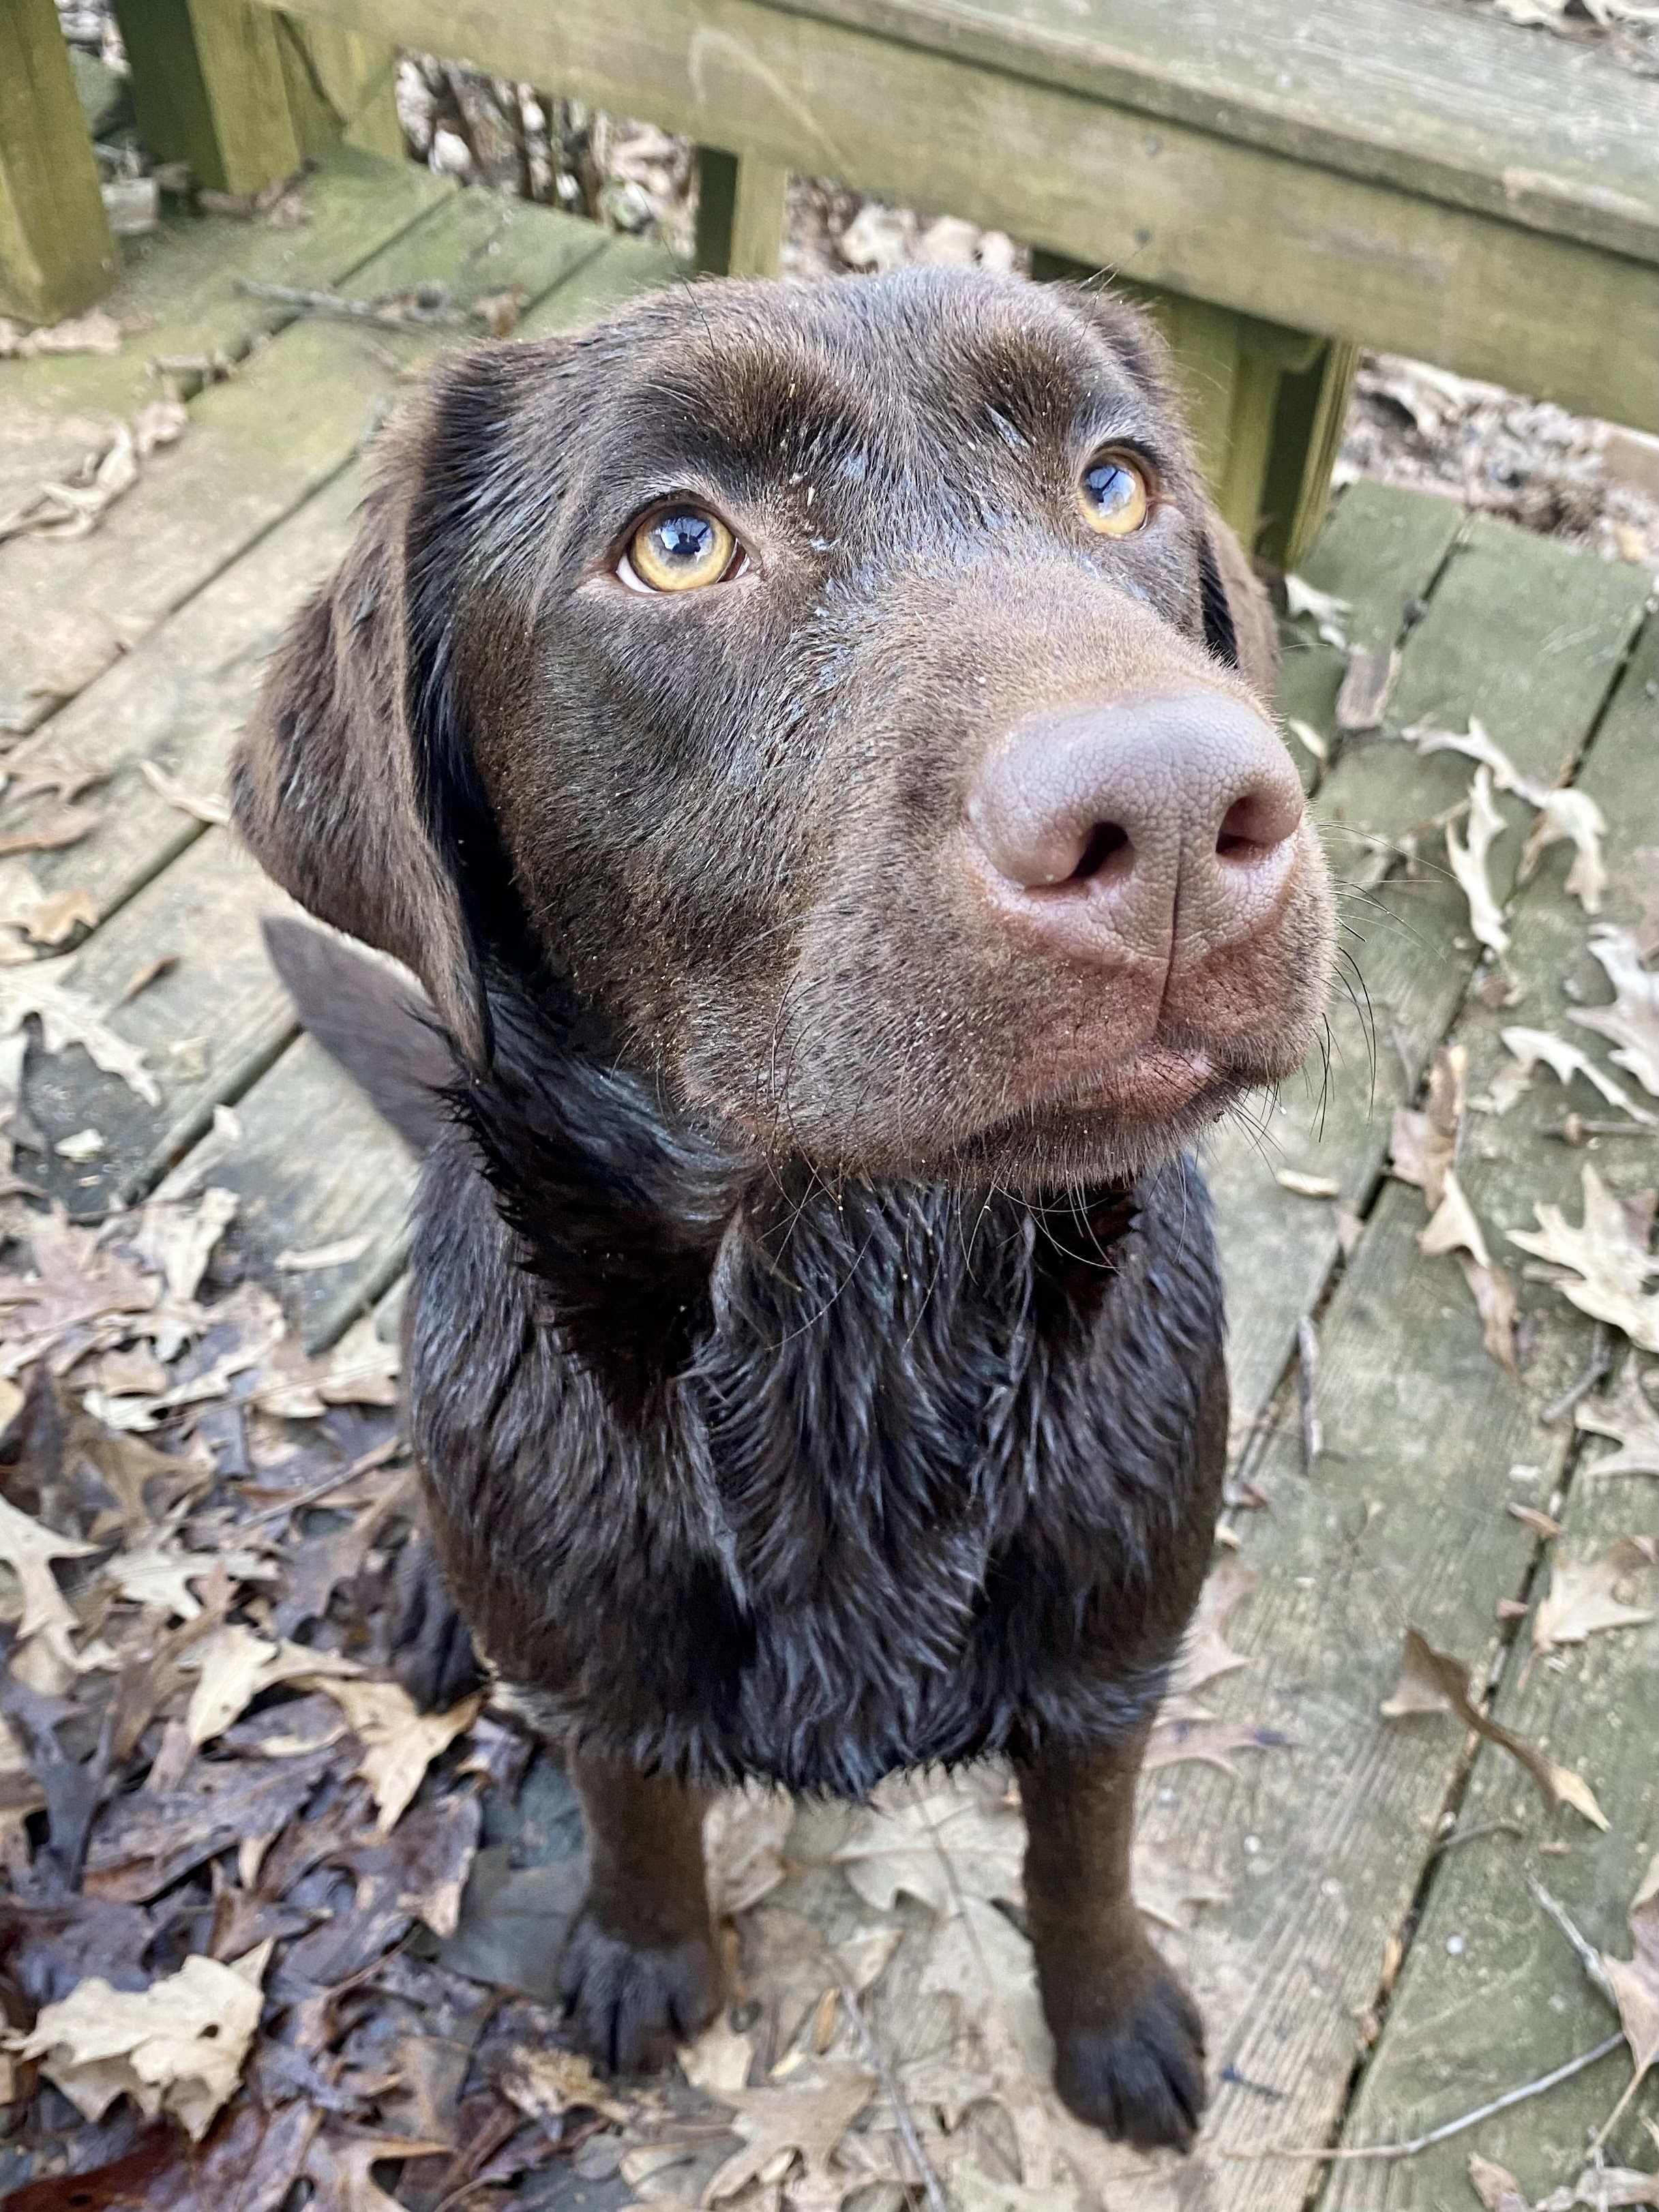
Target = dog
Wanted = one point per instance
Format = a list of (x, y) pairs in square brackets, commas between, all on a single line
[(812, 744)]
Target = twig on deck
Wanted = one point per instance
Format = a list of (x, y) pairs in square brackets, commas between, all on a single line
[(1589, 1957), (907, 2126), (1307, 1377), (1601, 1361), (424, 307), (1584, 2060)]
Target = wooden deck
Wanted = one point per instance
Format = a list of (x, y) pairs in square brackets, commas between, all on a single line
[(141, 644)]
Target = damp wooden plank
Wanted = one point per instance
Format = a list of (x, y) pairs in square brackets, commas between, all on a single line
[(1491, 1995), (1528, 636), (207, 1028), (255, 449), (312, 1165), (176, 299), (1400, 1520)]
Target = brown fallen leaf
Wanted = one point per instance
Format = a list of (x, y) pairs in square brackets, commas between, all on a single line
[(1541, 1524), (1613, 1267), (1633, 1020), (339, 2164), (1494, 1300), (1453, 1226), (1496, 2186), (1433, 1681), (28, 1548), (743, 1834), (1629, 1417), (67, 826), (1367, 686), (1307, 1186), (808, 2122), (57, 917), (942, 1842), (1634, 1984), (399, 1741), (176, 2046), (1424, 1145), (1476, 743), (1212, 1743), (234, 1664), (41, 987), (146, 973), (201, 806), (1603, 2189), (546, 2084), (62, 774), (1206, 1655), (1529, 1048), (1581, 1601), (96, 331), (340, 1253)]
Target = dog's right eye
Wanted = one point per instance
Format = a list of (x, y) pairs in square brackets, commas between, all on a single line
[(680, 549)]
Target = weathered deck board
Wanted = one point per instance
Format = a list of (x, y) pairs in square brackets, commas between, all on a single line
[(1510, 2002), (1491, 644), (1403, 1518), (177, 300), (208, 1028), (256, 448)]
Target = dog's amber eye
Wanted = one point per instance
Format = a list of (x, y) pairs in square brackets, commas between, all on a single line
[(680, 550), (1114, 495)]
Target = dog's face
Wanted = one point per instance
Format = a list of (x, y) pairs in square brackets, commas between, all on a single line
[(838, 686)]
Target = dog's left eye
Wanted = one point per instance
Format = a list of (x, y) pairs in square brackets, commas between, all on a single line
[(680, 549), (1114, 494)]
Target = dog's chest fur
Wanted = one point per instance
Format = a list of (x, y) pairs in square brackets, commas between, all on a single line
[(909, 1481)]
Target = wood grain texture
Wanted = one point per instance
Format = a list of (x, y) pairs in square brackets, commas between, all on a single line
[(1528, 636), (1210, 216), (1491, 1995), (56, 252), (207, 1028), (207, 89), (256, 448)]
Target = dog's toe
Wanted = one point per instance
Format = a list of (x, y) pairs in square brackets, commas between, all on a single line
[(629, 2008), (1142, 2080)]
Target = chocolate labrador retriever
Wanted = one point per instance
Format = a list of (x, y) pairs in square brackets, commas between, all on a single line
[(812, 743)]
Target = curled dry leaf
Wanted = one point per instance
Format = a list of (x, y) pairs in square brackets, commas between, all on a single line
[(58, 917), (66, 1018), (96, 331), (176, 2047), (1629, 1417), (743, 1836), (1367, 685), (399, 1741), (1635, 1981), (1633, 1020), (178, 1240), (67, 826), (1310, 740), (1453, 1226), (234, 1664), (1603, 2189), (1433, 1681), (1424, 1143), (1476, 745), (1581, 1600), (1468, 863), (1497, 2187), (1206, 1654), (808, 2122), (1302, 597), (1612, 1269), (1494, 1300), (545, 2084), (199, 805), (1570, 818), (1564, 1059)]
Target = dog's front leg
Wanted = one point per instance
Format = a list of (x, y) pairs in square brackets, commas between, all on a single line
[(1128, 2041), (641, 1973)]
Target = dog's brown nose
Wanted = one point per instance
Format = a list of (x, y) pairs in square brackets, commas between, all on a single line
[(1140, 831)]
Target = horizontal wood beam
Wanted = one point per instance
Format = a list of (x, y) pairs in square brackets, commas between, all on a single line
[(1243, 226)]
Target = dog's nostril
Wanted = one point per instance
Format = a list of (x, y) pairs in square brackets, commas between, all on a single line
[(1251, 826), (1106, 841)]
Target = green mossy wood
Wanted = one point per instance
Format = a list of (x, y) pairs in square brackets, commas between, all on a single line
[(56, 252)]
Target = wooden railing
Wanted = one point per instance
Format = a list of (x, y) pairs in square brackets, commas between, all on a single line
[(1278, 185)]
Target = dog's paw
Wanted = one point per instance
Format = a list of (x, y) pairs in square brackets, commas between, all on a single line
[(1141, 2080), (629, 2008)]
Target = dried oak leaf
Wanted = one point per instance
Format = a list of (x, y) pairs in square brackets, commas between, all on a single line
[(1494, 1300), (1468, 863), (1206, 1655), (546, 2083), (58, 916), (176, 2046), (743, 1834), (339, 2166), (1496, 2186), (942, 1844), (1476, 745), (1633, 1020), (809, 2122), (1564, 1059), (1424, 1145), (1603, 2189), (28, 1548), (66, 1017), (398, 1740), (1433, 1681), (1629, 1417), (146, 1841), (1612, 1267), (234, 1664), (1581, 1600), (1635, 1980), (73, 1283), (51, 832), (1572, 818)]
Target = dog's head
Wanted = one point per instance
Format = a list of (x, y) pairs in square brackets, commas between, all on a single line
[(848, 692)]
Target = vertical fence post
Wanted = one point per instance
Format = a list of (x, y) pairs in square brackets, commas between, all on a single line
[(56, 252)]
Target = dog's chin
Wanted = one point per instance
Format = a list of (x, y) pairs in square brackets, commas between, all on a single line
[(1051, 1129)]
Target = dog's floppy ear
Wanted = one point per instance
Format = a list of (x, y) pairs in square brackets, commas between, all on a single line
[(334, 782), (1238, 616)]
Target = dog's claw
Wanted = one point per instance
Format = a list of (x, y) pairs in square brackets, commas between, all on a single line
[(629, 2008), (1142, 2080)]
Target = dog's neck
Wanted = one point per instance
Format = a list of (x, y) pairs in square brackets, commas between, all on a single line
[(649, 1233)]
